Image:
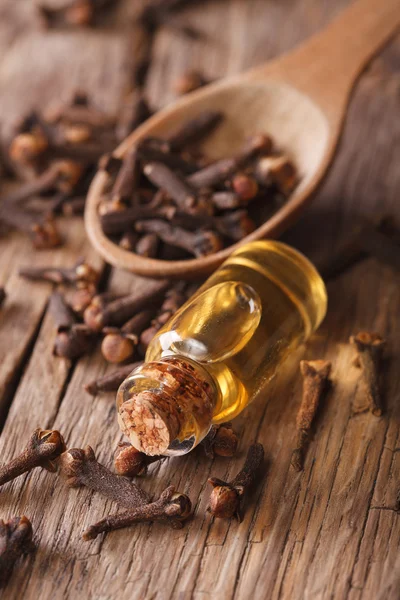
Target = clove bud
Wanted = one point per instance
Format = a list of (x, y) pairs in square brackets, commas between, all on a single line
[(15, 542), (370, 347), (42, 450), (226, 497)]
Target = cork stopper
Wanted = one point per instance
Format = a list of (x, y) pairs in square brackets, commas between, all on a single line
[(177, 405), (150, 422)]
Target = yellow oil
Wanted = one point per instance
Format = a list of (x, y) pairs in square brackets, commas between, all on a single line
[(263, 302)]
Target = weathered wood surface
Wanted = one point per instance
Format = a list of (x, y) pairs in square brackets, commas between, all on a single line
[(329, 532)]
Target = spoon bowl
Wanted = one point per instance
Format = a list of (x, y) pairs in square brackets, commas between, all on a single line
[(298, 99)]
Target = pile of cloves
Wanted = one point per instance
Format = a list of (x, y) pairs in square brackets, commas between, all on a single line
[(166, 200), (55, 154), (126, 324), (79, 467)]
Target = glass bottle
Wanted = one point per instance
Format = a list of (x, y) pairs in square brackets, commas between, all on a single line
[(221, 347)]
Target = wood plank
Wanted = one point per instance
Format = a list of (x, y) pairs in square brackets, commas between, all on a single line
[(316, 534)]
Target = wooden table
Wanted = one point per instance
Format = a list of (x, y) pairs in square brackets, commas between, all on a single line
[(328, 532)]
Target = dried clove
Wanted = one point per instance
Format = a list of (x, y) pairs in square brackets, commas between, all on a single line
[(80, 468), (174, 299), (41, 229), (147, 245), (81, 274), (73, 339), (156, 150), (116, 313), (221, 440), (195, 209), (43, 448), (220, 170), (111, 381), (245, 186), (119, 344), (176, 187), (15, 542), (200, 243), (119, 221), (226, 497), (278, 171), (226, 200), (127, 177), (79, 299), (315, 382), (370, 348), (131, 462), (60, 311), (44, 182), (171, 507), (193, 131)]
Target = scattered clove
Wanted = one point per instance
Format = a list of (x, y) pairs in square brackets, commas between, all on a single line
[(226, 497), (44, 182), (43, 448), (116, 313), (370, 348), (82, 274), (171, 507), (315, 382), (41, 229), (79, 299), (80, 467), (15, 542), (119, 344), (221, 440), (57, 153), (112, 381), (131, 462), (73, 339), (174, 299)]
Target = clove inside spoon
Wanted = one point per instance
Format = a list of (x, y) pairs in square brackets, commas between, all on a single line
[(300, 99)]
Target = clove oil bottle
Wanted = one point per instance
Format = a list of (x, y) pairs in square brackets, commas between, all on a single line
[(221, 348)]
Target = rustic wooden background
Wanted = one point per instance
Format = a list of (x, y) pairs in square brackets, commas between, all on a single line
[(328, 532)]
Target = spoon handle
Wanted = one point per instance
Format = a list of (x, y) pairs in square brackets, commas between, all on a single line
[(326, 66)]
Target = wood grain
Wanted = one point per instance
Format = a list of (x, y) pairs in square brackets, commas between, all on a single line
[(328, 532)]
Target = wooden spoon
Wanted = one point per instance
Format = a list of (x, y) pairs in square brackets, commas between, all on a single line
[(300, 99)]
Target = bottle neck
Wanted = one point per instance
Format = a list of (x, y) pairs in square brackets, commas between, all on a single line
[(166, 407)]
